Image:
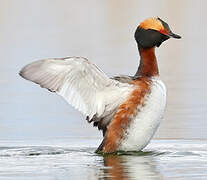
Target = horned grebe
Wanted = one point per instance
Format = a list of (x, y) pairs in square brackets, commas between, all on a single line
[(128, 109)]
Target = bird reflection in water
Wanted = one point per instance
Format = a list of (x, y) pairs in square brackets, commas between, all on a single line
[(124, 167)]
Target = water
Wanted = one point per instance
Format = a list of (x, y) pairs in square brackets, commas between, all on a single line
[(42, 137), (75, 159)]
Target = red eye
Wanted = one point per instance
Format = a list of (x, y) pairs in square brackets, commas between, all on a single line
[(164, 31)]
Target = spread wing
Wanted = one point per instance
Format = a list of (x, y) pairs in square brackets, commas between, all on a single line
[(81, 84)]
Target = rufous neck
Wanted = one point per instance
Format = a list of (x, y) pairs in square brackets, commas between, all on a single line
[(148, 63)]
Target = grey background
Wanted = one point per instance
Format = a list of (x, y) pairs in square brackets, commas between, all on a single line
[(103, 32)]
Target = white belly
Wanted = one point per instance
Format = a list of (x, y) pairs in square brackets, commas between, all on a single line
[(146, 122)]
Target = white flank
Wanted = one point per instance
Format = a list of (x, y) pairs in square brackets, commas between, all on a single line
[(146, 122)]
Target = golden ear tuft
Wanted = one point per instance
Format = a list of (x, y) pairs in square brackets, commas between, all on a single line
[(152, 23)]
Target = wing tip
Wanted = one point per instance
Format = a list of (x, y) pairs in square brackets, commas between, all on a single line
[(22, 73)]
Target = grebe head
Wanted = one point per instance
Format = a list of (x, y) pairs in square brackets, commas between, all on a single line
[(153, 32)]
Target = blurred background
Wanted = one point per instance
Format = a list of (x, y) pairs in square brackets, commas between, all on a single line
[(103, 32)]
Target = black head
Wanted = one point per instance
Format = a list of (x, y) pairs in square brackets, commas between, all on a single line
[(153, 32)]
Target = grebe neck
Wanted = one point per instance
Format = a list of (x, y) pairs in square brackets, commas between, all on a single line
[(148, 63)]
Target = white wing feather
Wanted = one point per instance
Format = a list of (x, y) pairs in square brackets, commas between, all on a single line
[(80, 83)]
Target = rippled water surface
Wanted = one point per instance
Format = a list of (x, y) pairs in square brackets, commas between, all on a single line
[(75, 159), (42, 137)]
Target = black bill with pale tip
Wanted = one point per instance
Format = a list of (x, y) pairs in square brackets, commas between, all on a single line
[(166, 26), (174, 35)]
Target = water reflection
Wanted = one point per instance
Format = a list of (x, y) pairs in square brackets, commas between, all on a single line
[(162, 159), (116, 168), (130, 167)]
